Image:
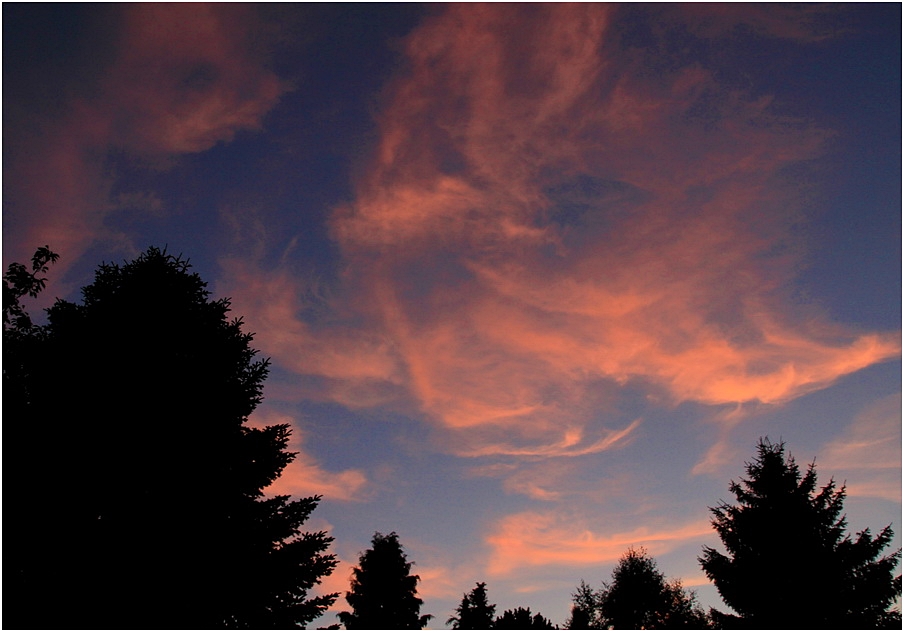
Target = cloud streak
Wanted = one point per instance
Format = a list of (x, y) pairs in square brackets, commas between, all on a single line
[(869, 449), (533, 539)]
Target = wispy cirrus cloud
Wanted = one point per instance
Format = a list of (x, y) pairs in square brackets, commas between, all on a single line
[(553, 480), (869, 449), (554, 210)]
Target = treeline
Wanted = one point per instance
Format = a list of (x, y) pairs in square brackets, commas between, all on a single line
[(134, 494)]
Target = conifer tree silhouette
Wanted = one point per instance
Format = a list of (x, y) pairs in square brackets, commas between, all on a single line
[(383, 593), (134, 487), (789, 563), (474, 612)]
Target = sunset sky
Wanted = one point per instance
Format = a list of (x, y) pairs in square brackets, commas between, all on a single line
[(534, 279)]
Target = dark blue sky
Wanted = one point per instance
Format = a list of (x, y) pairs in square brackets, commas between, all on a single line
[(534, 278)]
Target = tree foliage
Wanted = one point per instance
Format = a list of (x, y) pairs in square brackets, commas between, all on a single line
[(584, 609), (474, 612), (383, 592), (638, 596), (522, 619), (134, 485), (19, 282), (789, 563)]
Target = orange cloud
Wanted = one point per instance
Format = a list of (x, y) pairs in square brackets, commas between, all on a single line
[(533, 539)]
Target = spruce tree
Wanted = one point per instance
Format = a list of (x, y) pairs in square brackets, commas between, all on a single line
[(789, 563), (383, 593)]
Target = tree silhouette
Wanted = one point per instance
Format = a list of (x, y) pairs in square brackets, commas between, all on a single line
[(521, 619), (639, 597), (383, 593), (789, 563), (584, 609), (22, 357), (19, 282), (474, 612), (134, 486)]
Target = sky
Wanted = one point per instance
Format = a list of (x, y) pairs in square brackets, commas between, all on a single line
[(534, 279)]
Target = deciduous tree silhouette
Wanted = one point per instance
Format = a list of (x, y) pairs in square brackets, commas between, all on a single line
[(521, 619), (133, 484), (639, 597), (22, 356), (474, 612), (19, 282), (383, 592), (789, 563), (584, 609)]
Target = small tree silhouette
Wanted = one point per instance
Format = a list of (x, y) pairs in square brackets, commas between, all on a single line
[(383, 593), (584, 609), (789, 562), (474, 612), (638, 597), (521, 619), (134, 487)]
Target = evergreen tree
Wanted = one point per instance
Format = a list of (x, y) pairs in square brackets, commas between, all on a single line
[(474, 612), (521, 619), (789, 563), (134, 487), (383, 593), (638, 597)]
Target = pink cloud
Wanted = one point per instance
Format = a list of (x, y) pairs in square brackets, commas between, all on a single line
[(182, 78), (360, 367), (543, 214), (186, 77), (338, 582), (531, 539), (672, 291)]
